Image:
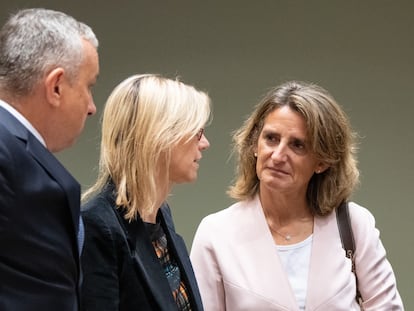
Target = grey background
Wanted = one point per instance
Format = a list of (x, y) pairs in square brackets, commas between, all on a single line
[(361, 51)]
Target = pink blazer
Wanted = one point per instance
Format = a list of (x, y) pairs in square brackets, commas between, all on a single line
[(238, 268)]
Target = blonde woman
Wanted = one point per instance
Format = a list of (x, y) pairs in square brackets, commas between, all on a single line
[(152, 138)]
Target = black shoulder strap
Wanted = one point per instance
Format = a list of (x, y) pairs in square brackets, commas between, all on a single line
[(347, 237), (345, 230)]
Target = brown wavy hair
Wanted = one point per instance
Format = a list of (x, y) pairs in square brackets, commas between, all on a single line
[(330, 134)]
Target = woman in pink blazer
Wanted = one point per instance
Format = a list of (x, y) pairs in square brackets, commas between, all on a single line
[(279, 247)]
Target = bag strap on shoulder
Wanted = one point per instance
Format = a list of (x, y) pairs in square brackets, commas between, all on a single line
[(347, 238), (345, 230)]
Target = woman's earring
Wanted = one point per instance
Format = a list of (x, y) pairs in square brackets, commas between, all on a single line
[(255, 154)]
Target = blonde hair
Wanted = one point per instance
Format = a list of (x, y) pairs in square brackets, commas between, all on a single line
[(144, 117), (330, 135)]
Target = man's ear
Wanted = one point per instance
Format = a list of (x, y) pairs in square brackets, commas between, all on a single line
[(54, 85)]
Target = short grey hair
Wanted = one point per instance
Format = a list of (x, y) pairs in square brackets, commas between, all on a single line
[(35, 41)]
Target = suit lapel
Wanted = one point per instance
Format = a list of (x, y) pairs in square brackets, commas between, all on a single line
[(60, 174), (177, 246), (325, 262), (254, 247), (13, 125), (147, 265), (48, 162)]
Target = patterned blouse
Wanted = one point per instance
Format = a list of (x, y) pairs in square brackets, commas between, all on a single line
[(169, 265)]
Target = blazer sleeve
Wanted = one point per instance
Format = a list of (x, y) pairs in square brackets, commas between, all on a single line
[(376, 279), (100, 286), (206, 267)]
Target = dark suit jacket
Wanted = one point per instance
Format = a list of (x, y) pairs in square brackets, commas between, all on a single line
[(39, 218), (120, 267)]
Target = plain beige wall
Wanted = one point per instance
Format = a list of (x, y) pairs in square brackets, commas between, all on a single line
[(361, 51)]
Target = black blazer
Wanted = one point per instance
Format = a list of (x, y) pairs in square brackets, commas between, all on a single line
[(39, 218), (121, 270)]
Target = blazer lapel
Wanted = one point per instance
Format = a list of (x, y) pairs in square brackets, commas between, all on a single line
[(148, 267), (48, 162), (13, 125), (254, 247), (179, 249), (326, 263)]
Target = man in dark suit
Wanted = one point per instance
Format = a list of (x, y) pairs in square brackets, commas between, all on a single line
[(48, 65)]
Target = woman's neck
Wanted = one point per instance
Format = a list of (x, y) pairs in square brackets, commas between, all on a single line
[(161, 198), (284, 208)]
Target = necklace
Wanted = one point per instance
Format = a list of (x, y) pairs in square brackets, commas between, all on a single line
[(302, 231), (287, 237)]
